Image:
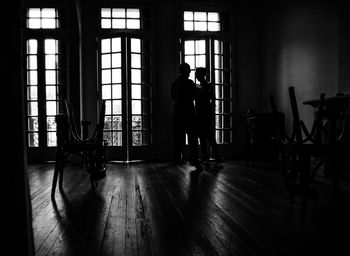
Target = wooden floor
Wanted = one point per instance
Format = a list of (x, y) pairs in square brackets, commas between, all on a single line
[(160, 209)]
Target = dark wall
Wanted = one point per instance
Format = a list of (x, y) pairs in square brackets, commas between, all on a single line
[(300, 49)]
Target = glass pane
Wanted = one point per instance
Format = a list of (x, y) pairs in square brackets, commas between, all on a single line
[(118, 13), (51, 92), (135, 76), (218, 107), (118, 23), (133, 13), (213, 16), (219, 121), (135, 60), (51, 108), (189, 47), (116, 76), (200, 61), (200, 26), (190, 61), (33, 124), (105, 45), (51, 123), (116, 60), (32, 62), (34, 13), (106, 92), (219, 137), (48, 13), (116, 91), (108, 107), (218, 92), (117, 123), (33, 139), (136, 123), (48, 23), (51, 139), (32, 46), (202, 16), (50, 46), (213, 26), (217, 47), (117, 139), (32, 92), (108, 123), (146, 138), (50, 61), (188, 15), (108, 137), (106, 76), (218, 62), (137, 138), (133, 24), (188, 26), (106, 12), (106, 61), (136, 91), (50, 77), (116, 44), (136, 107), (32, 108), (105, 23), (135, 45), (117, 107), (200, 47), (34, 23), (218, 77)]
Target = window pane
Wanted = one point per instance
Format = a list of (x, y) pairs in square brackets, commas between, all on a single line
[(105, 23), (117, 91), (32, 46), (34, 13), (202, 16), (34, 23), (135, 76), (136, 91), (135, 45), (51, 139), (106, 92), (32, 62), (48, 23), (133, 24), (135, 60), (188, 26), (51, 108), (137, 138), (51, 123), (33, 124), (108, 107), (116, 76), (118, 23), (108, 137), (108, 123), (105, 12), (213, 26), (50, 61), (200, 61), (116, 45), (136, 123), (190, 61), (32, 92), (118, 13), (32, 77), (106, 61), (200, 47), (106, 76), (213, 16), (189, 47), (48, 13), (218, 61), (218, 77), (105, 45), (33, 139), (51, 92), (117, 138), (136, 107), (188, 15), (117, 107), (200, 26), (116, 60), (50, 77), (133, 13), (117, 123), (32, 108), (50, 46)]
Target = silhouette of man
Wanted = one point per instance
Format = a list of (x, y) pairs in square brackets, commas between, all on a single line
[(205, 108), (182, 93)]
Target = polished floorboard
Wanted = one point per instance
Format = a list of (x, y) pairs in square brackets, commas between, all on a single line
[(161, 209)]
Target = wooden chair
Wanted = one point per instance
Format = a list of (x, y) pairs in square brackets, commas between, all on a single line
[(297, 150), (69, 142)]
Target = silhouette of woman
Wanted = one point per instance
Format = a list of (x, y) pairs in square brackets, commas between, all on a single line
[(205, 109)]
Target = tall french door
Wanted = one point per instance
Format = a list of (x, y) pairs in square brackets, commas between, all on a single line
[(125, 84), (43, 82), (215, 56)]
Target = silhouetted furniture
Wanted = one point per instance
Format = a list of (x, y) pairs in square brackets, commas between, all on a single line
[(260, 136), (69, 142), (297, 150)]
